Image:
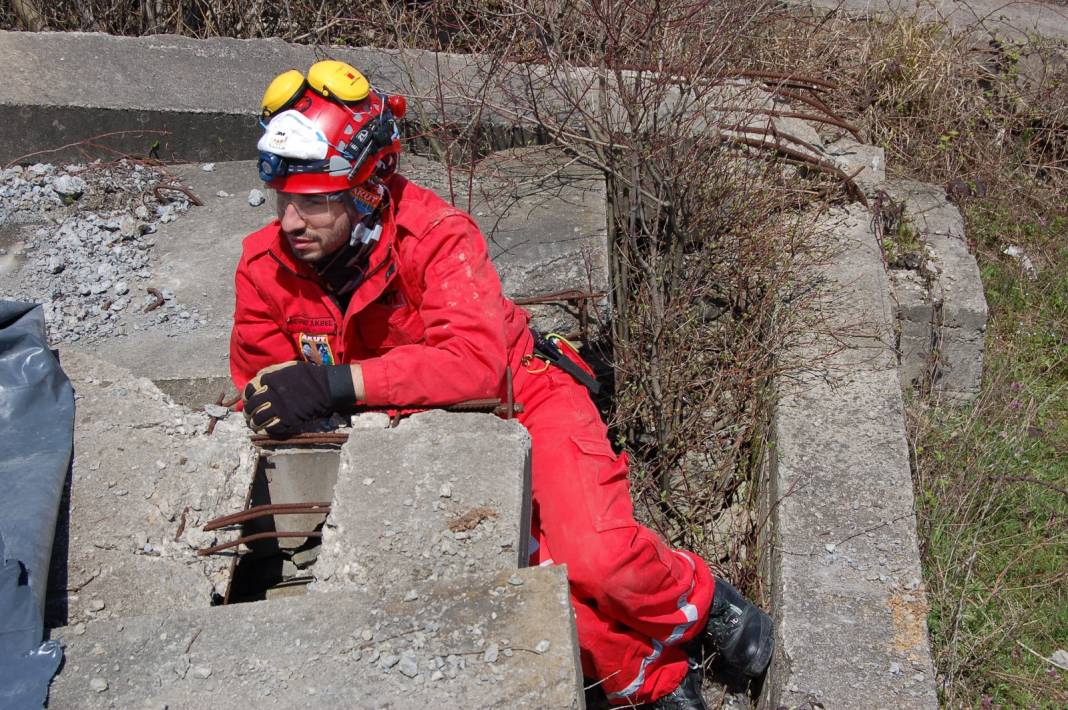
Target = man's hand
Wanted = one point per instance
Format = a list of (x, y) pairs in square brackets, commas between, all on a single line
[(282, 397)]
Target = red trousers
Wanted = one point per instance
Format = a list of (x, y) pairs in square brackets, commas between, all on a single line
[(635, 599)]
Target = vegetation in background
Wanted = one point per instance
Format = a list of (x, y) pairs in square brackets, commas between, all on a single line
[(987, 119), (702, 246)]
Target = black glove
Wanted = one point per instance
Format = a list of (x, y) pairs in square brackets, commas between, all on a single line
[(282, 397)]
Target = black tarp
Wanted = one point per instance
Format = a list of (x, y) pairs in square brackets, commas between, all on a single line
[(36, 439)]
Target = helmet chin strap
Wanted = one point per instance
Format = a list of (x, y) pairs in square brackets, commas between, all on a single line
[(343, 272)]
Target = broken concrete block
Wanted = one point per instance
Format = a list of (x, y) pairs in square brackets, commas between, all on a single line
[(851, 156), (956, 289), (442, 495), (145, 477), (845, 566), (915, 318), (345, 649)]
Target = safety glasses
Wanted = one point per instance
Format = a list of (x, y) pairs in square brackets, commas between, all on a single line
[(314, 206)]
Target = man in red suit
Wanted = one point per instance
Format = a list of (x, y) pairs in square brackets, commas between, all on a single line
[(369, 290)]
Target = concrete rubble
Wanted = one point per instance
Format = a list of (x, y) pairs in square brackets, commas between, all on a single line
[(441, 495), (145, 477), (492, 640), (942, 308), (845, 568)]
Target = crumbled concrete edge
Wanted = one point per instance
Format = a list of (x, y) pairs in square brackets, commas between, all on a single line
[(146, 477), (942, 312), (504, 639), (844, 569), (442, 495)]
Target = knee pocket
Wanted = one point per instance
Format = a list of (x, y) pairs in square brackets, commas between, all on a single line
[(605, 486)]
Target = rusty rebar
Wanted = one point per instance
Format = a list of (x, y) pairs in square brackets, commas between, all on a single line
[(797, 156), (214, 419), (569, 295), (273, 535), (302, 439), (260, 511), (177, 188), (160, 300)]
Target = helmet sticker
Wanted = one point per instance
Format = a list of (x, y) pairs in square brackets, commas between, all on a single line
[(292, 135)]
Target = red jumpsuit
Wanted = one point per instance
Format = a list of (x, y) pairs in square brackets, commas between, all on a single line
[(430, 326)]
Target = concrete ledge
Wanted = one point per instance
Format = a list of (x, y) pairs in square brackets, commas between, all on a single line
[(845, 566), (440, 496), (955, 313), (504, 640), (144, 478)]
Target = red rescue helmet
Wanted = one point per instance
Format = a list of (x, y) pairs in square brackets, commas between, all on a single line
[(328, 132)]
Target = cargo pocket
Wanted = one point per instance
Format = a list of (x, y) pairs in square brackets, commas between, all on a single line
[(604, 483)]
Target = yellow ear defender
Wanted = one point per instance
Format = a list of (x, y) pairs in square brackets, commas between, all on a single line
[(338, 80), (282, 93)]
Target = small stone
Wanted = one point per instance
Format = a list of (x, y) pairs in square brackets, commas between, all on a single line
[(201, 672), (223, 193), (542, 646), (69, 186), (55, 264), (437, 675), (256, 197), (367, 635), (78, 629), (96, 605), (895, 668), (411, 596), (830, 547), (216, 410), (388, 661), (1060, 657), (515, 580), (368, 481), (208, 167), (445, 491), (491, 653), (121, 288), (98, 685), (408, 665)]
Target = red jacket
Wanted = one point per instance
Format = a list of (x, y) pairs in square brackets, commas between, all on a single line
[(429, 326)]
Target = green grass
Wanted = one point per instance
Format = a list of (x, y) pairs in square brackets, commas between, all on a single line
[(992, 480)]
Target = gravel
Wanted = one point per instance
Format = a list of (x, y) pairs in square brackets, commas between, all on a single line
[(78, 239)]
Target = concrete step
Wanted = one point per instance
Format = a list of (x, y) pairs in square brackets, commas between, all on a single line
[(144, 478), (845, 566), (440, 496), (495, 640)]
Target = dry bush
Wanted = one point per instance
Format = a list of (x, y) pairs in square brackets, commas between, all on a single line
[(711, 240)]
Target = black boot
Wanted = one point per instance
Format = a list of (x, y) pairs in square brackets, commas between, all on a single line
[(739, 632), (685, 697)]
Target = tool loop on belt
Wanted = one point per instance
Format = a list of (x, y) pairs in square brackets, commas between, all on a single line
[(545, 347)]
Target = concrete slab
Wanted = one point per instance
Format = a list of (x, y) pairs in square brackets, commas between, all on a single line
[(195, 257), (504, 640), (67, 87), (441, 495), (545, 235), (845, 567), (956, 290), (144, 477), (1013, 20)]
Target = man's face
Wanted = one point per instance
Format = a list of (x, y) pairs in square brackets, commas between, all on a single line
[(316, 225)]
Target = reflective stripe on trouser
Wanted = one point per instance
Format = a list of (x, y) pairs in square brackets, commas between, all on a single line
[(635, 599)]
